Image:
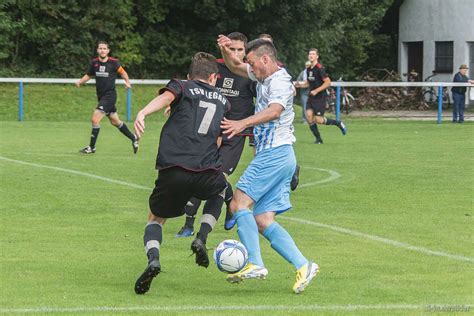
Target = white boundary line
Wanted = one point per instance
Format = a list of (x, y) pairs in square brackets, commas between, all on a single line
[(79, 173), (387, 307), (303, 221), (333, 175), (381, 239)]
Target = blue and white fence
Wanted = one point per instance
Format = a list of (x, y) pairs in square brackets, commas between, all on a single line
[(21, 81), (337, 84), (364, 84)]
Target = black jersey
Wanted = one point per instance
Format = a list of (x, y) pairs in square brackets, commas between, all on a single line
[(189, 137), (316, 76), (240, 91), (105, 74)]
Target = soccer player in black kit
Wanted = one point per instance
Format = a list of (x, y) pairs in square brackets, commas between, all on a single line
[(240, 92), (188, 161), (317, 81), (105, 70)]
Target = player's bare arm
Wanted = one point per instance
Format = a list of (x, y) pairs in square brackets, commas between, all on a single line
[(83, 80), (125, 77), (301, 84), (271, 113), (324, 86), (231, 61), (160, 102)]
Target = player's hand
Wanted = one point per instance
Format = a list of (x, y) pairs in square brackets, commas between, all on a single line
[(139, 124), (223, 41), (167, 111), (296, 84), (128, 85), (232, 128), (313, 92), (78, 84)]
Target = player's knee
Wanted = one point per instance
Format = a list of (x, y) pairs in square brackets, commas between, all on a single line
[(116, 123), (261, 226), (233, 207), (319, 119), (262, 223)]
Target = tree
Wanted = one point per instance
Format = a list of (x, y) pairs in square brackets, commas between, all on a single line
[(156, 39)]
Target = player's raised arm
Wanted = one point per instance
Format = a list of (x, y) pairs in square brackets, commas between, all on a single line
[(231, 61), (160, 102)]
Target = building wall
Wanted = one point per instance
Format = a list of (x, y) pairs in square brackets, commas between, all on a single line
[(428, 21)]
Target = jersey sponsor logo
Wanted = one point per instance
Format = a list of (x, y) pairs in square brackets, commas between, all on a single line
[(101, 72), (311, 76), (229, 92), (228, 83)]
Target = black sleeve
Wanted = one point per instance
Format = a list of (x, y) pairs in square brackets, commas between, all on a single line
[(176, 88), (322, 73), (90, 70), (117, 64)]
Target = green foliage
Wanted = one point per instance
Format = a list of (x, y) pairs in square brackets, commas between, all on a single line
[(157, 38)]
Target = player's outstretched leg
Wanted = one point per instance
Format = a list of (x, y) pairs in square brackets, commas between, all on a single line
[(152, 239), (124, 130), (283, 243), (248, 234), (190, 210), (339, 124), (342, 127)]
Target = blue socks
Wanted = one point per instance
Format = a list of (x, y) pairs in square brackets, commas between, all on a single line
[(282, 242), (248, 234)]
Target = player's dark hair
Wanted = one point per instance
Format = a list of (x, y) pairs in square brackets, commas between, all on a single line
[(103, 42), (266, 37), (312, 49), (237, 36), (260, 46), (202, 66)]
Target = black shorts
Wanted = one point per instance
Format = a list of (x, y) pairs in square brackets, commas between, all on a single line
[(107, 103), (318, 105), (175, 186), (231, 151)]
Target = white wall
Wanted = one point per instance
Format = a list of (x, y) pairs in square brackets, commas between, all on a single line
[(436, 20)]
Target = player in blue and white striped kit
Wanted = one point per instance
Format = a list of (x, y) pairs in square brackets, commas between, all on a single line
[(265, 184)]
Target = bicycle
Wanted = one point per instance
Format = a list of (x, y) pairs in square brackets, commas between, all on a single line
[(347, 99), (430, 94)]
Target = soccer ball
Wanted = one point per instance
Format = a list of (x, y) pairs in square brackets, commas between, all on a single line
[(231, 256)]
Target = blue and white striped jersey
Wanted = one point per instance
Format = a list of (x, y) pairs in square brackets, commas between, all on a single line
[(276, 88)]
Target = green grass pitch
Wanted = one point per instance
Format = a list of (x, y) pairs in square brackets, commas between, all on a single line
[(386, 211)]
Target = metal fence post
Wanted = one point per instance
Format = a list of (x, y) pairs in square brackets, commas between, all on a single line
[(440, 104), (129, 104), (20, 102), (338, 103)]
